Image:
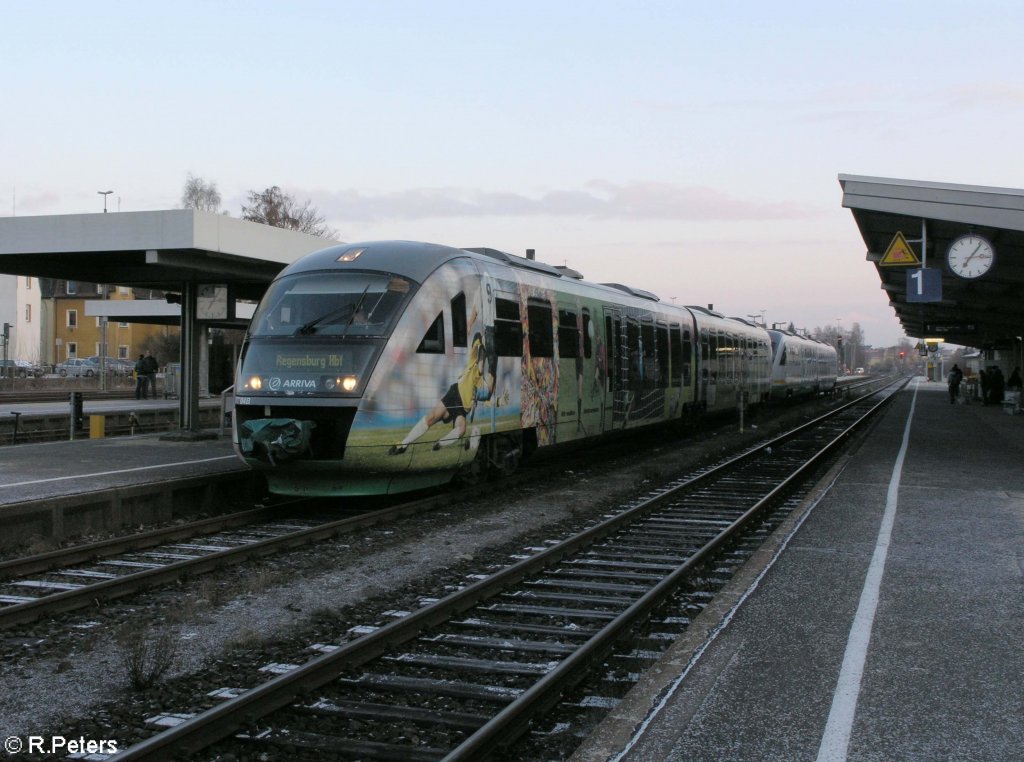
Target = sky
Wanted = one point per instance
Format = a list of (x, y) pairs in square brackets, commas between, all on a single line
[(689, 149)]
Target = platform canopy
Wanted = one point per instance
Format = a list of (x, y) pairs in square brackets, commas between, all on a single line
[(986, 311), (158, 249), (211, 260)]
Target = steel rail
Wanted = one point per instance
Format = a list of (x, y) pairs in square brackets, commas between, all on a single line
[(41, 562), (69, 600), (214, 724)]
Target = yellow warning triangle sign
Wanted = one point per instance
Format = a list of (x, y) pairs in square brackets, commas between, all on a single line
[(899, 253)]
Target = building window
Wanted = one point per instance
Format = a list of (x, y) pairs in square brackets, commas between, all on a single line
[(99, 322), (28, 283), (28, 313), (99, 288), (72, 349), (122, 352), (72, 321), (122, 325), (72, 287), (123, 290)]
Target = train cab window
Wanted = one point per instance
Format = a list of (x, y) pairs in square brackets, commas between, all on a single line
[(460, 331), (568, 334), (508, 328), (433, 339), (588, 335)]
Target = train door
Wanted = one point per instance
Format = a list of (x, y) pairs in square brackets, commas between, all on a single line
[(503, 342), (616, 365), (570, 371), (591, 388)]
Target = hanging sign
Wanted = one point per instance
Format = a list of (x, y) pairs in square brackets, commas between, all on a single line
[(899, 253)]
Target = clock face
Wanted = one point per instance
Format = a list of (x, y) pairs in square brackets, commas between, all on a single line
[(970, 256)]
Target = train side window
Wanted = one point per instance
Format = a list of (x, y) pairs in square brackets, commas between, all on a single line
[(433, 339), (664, 377), (676, 354), (460, 331), (568, 334), (588, 330), (650, 354), (508, 328), (542, 334)]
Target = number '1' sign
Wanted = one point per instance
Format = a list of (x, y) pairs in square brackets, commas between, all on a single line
[(924, 285)]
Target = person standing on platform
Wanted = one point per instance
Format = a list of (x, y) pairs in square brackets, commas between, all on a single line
[(983, 380), (140, 379), (1013, 383), (955, 377), (997, 385), (149, 369)]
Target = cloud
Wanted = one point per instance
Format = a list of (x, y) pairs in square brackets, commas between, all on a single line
[(596, 200)]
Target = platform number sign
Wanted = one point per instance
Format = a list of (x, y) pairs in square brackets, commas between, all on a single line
[(924, 285)]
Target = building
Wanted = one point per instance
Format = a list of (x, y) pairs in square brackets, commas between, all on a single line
[(20, 308), (69, 332)]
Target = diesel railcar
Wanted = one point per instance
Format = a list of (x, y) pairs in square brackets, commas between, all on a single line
[(390, 366), (801, 366)]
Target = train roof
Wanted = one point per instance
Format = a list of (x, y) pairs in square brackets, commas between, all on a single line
[(410, 258), (798, 336), (418, 260)]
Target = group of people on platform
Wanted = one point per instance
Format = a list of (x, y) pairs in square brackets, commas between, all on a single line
[(992, 385)]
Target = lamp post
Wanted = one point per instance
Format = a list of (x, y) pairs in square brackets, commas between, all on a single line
[(105, 194)]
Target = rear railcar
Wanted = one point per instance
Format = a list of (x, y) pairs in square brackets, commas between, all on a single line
[(801, 366)]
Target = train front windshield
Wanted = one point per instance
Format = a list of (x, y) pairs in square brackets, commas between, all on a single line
[(330, 304), (319, 333)]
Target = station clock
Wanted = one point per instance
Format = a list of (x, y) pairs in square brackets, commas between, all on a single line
[(970, 256)]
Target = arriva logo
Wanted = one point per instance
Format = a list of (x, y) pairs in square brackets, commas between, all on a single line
[(299, 383)]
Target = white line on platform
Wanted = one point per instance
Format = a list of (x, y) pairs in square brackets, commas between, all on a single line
[(121, 471), (836, 741)]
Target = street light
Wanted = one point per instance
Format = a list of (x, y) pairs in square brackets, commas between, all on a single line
[(104, 194)]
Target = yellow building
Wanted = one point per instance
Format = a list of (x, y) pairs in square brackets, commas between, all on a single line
[(72, 334)]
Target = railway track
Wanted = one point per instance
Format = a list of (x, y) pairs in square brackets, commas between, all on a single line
[(463, 676), (76, 577)]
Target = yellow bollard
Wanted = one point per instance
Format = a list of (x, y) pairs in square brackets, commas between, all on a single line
[(97, 426)]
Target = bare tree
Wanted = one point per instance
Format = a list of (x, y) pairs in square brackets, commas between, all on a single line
[(276, 208), (199, 194)]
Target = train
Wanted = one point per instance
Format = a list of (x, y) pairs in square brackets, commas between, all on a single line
[(391, 366)]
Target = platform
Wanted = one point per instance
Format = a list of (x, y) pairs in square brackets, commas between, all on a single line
[(58, 489), (886, 622)]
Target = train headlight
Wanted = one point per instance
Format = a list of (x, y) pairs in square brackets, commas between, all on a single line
[(349, 383), (254, 383)]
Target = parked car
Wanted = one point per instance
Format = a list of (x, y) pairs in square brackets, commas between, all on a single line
[(19, 368), (78, 366), (114, 365)]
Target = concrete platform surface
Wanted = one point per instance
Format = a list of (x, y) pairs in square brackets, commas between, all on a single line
[(55, 469), (888, 625)]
